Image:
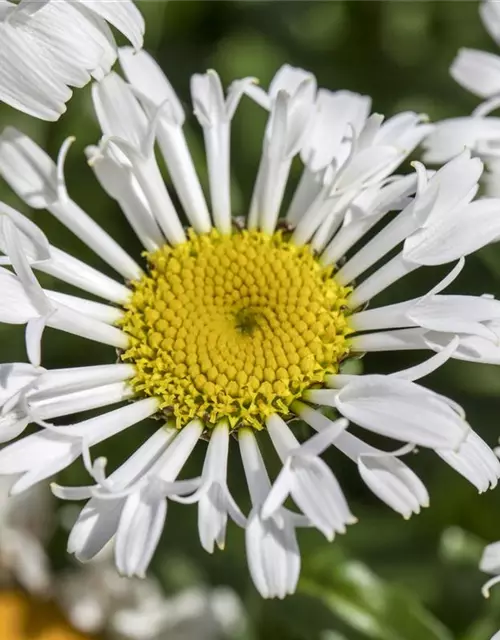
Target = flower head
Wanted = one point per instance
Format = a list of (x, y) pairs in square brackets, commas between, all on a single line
[(237, 326)]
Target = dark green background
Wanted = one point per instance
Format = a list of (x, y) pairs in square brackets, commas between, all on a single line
[(387, 579)]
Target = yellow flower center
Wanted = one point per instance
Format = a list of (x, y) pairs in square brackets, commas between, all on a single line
[(234, 326)]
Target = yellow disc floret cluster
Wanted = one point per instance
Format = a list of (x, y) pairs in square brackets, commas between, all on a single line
[(234, 326)]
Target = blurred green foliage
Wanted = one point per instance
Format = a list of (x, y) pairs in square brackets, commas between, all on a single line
[(387, 579)]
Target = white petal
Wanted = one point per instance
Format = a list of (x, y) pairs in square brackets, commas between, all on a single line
[(28, 170), (74, 379), (95, 310), (30, 285), (404, 130), (33, 338), (95, 526), (428, 217), (12, 425), (118, 180), (292, 96), (365, 164), (366, 210), (307, 479), (46, 258), (398, 340), (94, 430), (381, 475), (15, 306), (454, 186), (50, 451), (290, 79), (451, 137), (279, 492), (470, 348), (150, 181), (118, 110), (396, 315), (456, 314), (99, 519), (475, 461), (470, 229), (334, 112), (490, 15), (431, 364), (146, 75), (389, 237), (66, 319), (25, 81), (59, 44), (212, 518), (73, 271), (253, 464), (273, 557), (389, 478), (214, 113), (56, 30), (14, 377), (318, 495), (83, 400), (89, 232), (477, 71), (42, 452), (140, 527), (178, 452), (390, 272), (123, 15), (490, 562), (398, 409), (34, 243)]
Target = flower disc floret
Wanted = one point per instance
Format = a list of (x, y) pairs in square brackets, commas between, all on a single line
[(235, 326)]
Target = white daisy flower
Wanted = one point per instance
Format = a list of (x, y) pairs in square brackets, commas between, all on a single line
[(96, 599), (479, 73), (26, 523), (240, 325), (196, 612), (48, 46)]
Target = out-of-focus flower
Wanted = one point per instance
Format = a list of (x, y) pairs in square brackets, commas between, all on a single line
[(25, 526), (479, 73), (23, 617), (97, 599)]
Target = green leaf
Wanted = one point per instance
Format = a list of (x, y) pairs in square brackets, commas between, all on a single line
[(369, 605)]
